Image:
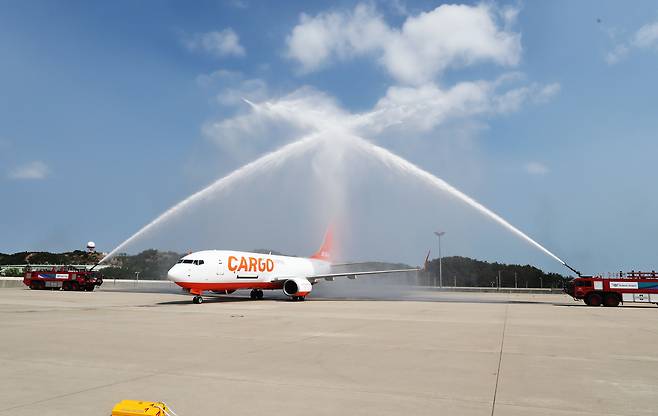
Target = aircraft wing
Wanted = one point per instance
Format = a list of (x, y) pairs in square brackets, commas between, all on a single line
[(354, 275)]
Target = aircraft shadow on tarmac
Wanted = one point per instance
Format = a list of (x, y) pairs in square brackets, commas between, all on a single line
[(229, 299)]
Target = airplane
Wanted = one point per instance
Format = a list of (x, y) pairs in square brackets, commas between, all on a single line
[(225, 271)]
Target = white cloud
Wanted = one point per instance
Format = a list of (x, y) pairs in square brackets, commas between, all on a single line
[(32, 170), (425, 46), (344, 34), (512, 100), (646, 37), (408, 109), (536, 168), (415, 53), (422, 108), (222, 43), (617, 54)]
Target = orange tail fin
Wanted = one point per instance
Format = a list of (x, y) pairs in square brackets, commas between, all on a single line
[(324, 253)]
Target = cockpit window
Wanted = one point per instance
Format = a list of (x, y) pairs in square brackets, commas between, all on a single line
[(188, 261), (200, 261)]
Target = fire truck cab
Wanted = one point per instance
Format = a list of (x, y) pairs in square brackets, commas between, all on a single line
[(641, 287)]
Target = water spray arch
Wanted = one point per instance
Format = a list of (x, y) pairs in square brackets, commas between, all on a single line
[(346, 136)]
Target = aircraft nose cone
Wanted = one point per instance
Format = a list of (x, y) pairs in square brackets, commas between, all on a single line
[(173, 274)]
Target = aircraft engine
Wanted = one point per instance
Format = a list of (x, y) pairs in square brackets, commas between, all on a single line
[(297, 287)]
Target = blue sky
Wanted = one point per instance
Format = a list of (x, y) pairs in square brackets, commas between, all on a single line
[(109, 114)]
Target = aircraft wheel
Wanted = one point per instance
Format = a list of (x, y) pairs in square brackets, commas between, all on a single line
[(259, 294), (197, 299), (253, 294)]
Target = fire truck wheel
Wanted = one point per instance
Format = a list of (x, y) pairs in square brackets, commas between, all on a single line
[(75, 286), (611, 300), (34, 285), (66, 286), (593, 299)]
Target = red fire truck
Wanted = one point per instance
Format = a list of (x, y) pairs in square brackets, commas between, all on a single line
[(65, 278), (611, 291)]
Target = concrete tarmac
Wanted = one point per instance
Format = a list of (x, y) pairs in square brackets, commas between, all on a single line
[(77, 353)]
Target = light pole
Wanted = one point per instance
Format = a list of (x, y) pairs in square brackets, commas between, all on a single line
[(438, 235)]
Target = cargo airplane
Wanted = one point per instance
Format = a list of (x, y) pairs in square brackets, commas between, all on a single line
[(224, 272)]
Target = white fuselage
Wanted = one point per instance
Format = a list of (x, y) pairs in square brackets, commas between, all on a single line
[(224, 270)]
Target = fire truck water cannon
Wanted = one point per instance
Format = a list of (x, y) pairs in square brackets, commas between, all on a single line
[(572, 269)]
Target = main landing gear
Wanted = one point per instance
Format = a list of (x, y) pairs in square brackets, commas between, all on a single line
[(197, 299), (298, 298), (256, 294)]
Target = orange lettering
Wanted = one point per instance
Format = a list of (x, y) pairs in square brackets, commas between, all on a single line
[(231, 265), (261, 265), (253, 264), (243, 265), (270, 265)]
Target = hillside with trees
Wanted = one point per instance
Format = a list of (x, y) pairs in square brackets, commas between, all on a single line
[(469, 272), (150, 264), (43, 257)]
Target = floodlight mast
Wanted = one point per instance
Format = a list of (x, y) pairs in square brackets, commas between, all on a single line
[(439, 234)]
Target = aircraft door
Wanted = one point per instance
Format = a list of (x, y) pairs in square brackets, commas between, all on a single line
[(220, 268)]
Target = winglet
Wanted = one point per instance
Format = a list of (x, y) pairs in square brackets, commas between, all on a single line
[(324, 253), (427, 261)]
